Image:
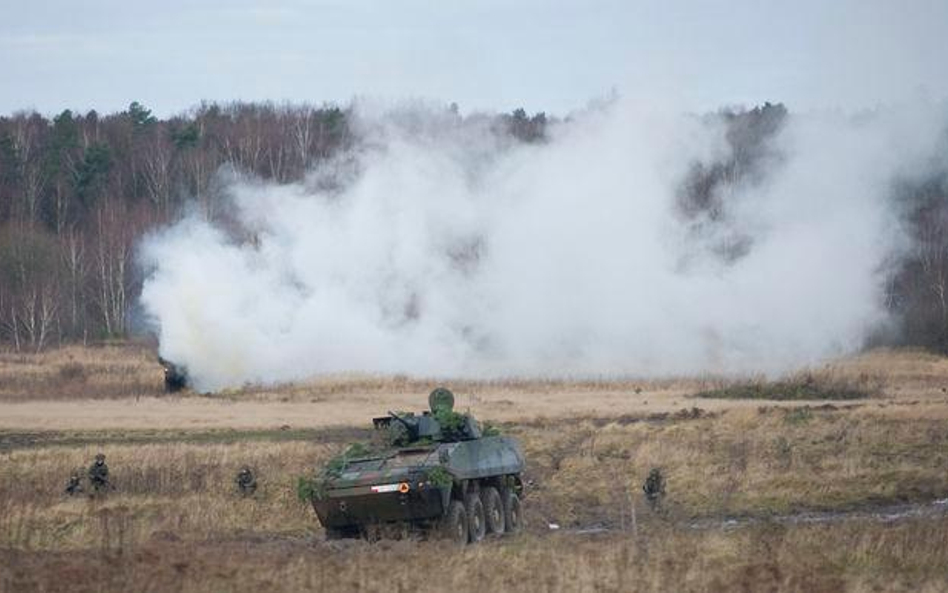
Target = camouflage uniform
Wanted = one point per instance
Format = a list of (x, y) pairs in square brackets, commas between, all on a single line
[(246, 482), (654, 487), (74, 485), (99, 475)]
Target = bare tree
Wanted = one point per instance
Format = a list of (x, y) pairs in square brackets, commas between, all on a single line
[(156, 171), (73, 250), (29, 285), (116, 228)]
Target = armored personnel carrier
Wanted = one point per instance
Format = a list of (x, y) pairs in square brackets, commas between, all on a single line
[(436, 471)]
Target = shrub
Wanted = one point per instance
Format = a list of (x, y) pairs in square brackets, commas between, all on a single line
[(805, 388), (72, 371)]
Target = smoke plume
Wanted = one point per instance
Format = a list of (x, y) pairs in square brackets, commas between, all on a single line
[(439, 246)]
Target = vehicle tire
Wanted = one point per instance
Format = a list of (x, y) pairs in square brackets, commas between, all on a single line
[(454, 523), (476, 525), (513, 513), (494, 511)]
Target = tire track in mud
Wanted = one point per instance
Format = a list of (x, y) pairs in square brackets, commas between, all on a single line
[(887, 514), (891, 513)]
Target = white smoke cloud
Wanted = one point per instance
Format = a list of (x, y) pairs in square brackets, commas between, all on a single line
[(450, 251)]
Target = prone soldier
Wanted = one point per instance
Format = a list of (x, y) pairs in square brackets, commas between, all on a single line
[(74, 485)]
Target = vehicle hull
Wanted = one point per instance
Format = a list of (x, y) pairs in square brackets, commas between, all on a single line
[(366, 493), (356, 507)]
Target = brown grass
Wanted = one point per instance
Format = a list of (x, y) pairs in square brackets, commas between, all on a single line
[(812, 559), (109, 371), (174, 521), (175, 505), (120, 387)]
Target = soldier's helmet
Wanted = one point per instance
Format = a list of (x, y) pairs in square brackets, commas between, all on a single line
[(99, 457), (441, 399)]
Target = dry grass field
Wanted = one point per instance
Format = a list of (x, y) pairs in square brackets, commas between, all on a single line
[(829, 495)]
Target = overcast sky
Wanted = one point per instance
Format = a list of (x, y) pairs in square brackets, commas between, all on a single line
[(487, 54)]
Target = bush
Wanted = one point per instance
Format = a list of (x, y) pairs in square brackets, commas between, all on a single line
[(805, 388), (72, 372)]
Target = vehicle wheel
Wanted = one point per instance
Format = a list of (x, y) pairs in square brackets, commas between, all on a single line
[(454, 524), (494, 511), (513, 513), (476, 525)]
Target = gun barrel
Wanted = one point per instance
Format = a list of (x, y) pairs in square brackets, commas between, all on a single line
[(412, 429), (399, 418)]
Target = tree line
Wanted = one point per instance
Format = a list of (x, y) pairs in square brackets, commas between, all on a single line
[(915, 285), (77, 191)]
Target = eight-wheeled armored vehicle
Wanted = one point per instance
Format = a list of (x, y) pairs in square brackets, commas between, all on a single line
[(437, 471)]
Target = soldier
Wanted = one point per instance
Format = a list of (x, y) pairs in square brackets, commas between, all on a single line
[(99, 475), (454, 426), (74, 485), (246, 482), (654, 488)]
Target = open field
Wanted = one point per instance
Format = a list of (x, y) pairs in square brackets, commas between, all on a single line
[(744, 479), (120, 388)]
